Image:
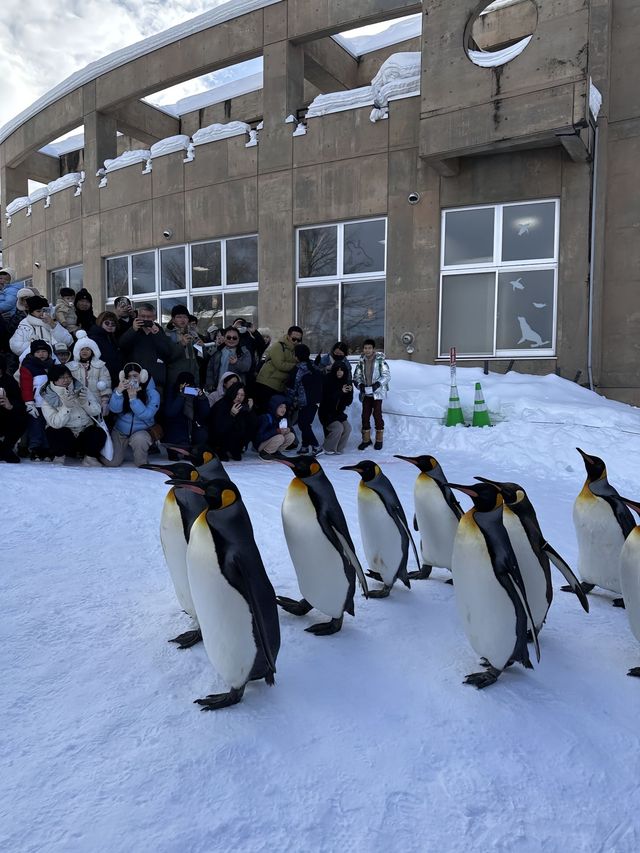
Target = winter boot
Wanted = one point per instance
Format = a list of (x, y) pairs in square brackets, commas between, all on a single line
[(379, 435), (366, 439)]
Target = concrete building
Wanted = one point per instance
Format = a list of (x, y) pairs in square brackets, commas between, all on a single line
[(474, 184)]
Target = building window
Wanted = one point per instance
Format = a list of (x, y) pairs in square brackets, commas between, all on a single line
[(217, 280), (340, 293), (66, 277), (498, 280)]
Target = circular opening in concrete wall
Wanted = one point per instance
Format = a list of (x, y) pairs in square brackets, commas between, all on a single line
[(499, 31)]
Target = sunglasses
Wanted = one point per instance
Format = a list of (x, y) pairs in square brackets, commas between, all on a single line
[(297, 340), (231, 338), (108, 322)]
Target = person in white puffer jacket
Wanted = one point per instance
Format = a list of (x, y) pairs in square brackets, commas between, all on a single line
[(89, 370), (69, 410), (38, 325)]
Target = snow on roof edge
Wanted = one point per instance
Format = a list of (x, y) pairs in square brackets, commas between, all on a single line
[(225, 12)]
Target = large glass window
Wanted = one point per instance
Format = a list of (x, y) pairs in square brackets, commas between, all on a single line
[(498, 283), (66, 277), (341, 285), (217, 279)]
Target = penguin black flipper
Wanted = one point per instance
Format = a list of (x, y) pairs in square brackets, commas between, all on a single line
[(569, 576), (382, 486), (508, 576), (437, 475), (603, 489), (415, 523)]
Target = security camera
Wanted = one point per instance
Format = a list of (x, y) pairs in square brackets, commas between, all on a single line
[(407, 338), (36, 264), (413, 198), (167, 233)]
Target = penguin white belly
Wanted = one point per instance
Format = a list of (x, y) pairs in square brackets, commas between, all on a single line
[(487, 613), (319, 567), (600, 541), (224, 614), (630, 579), (380, 536), (436, 522), (535, 582), (174, 546)]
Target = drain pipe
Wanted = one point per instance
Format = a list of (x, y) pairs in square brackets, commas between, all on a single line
[(592, 251)]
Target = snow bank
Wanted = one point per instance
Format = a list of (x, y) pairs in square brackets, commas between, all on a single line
[(16, 205), (335, 102), (127, 158), (38, 194), (214, 132), (169, 145), (72, 179)]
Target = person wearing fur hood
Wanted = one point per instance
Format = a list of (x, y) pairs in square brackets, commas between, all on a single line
[(69, 410), (38, 325), (89, 370)]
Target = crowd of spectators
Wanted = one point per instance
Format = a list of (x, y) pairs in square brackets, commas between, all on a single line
[(73, 385)]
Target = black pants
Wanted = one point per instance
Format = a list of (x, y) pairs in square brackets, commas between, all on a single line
[(305, 418), (370, 406), (12, 425), (62, 442)]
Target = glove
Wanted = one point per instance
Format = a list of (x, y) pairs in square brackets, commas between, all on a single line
[(375, 386), (33, 409), (360, 386), (83, 394)]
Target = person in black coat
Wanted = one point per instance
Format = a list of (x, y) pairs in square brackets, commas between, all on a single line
[(104, 334), (13, 416), (232, 423), (337, 395), (186, 410), (84, 309)]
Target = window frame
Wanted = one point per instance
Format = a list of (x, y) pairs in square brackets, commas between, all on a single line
[(340, 279), (496, 266), (67, 271)]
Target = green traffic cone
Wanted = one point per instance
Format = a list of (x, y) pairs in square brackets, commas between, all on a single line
[(480, 413), (454, 411)]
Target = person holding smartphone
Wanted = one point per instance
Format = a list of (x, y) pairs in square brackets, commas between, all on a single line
[(232, 423), (337, 396), (185, 410), (134, 402), (146, 344)]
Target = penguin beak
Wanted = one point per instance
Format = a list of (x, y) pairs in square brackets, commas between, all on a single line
[(179, 450), (290, 463), (160, 468), (351, 468), (491, 482), (634, 505), (412, 459), (189, 485), (467, 490), (588, 459)]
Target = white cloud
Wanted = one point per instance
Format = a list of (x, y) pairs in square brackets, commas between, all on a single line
[(42, 44)]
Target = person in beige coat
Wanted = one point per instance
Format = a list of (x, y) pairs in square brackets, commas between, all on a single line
[(65, 310), (89, 370), (69, 410), (38, 325)]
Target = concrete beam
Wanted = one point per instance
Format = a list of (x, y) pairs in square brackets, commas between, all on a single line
[(329, 66), (575, 147), (42, 167), (312, 19), (145, 122), (448, 168)]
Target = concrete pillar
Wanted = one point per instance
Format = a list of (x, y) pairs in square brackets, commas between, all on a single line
[(283, 94)]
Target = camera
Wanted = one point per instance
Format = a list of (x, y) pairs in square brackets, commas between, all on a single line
[(147, 324), (167, 233), (413, 198), (190, 391)]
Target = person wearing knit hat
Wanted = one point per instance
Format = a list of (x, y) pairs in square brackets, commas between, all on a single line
[(22, 295), (8, 292), (70, 410), (33, 375), (65, 310), (83, 302), (38, 324), (62, 353), (89, 370)]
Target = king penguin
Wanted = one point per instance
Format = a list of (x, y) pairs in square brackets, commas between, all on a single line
[(233, 597), (602, 522), (437, 513), (630, 578), (490, 593), (533, 552), (179, 511), (383, 526), (320, 546)]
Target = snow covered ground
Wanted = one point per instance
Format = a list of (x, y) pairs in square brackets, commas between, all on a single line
[(369, 741)]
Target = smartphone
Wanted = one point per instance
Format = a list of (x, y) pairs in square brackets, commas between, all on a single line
[(190, 391), (147, 323), (133, 383)]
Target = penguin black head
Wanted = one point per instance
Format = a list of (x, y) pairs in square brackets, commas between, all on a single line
[(367, 469), (197, 455), (424, 462), (485, 496), (634, 505), (219, 493), (175, 470), (596, 469), (511, 493), (303, 467)]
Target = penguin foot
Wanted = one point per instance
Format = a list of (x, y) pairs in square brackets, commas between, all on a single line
[(585, 587), (483, 679), (422, 575), (215, 701), (188, 639), (619, 602), (488, 665), (634, 672), (375, 575), (380, 593), (324, 629), (297, 608)]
